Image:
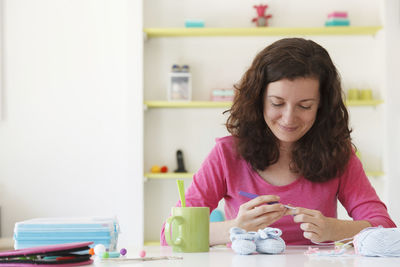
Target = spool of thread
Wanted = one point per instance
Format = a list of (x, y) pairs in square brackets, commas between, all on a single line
[(378, 242)]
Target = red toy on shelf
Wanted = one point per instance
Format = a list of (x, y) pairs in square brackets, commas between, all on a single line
[(262, 19)]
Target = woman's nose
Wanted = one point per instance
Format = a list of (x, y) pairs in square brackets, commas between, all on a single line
[(288, 115)]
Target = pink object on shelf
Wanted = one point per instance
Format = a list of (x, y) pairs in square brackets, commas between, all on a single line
[(337, 14)]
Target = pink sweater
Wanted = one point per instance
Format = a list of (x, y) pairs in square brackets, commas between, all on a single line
[(223, 174)]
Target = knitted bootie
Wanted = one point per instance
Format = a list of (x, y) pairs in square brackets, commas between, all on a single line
[(268, 241), (242, 242)]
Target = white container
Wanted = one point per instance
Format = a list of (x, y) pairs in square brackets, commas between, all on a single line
[(180, 86)]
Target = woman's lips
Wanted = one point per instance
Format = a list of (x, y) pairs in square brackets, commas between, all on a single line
[(288, 128)]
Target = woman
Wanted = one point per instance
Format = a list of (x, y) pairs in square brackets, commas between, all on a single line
[(290, 142)]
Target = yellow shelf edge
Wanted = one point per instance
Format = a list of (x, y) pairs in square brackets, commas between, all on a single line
[(188, 104), (354, 103), (262, 31), (169, 175), (214, 104), (375, 173)]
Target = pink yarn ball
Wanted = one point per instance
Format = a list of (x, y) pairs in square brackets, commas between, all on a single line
[(142, 253)]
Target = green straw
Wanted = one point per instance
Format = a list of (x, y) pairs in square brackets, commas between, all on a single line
[(181, 190)]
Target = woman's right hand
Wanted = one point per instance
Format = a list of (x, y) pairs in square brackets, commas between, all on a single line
[(254, 215)]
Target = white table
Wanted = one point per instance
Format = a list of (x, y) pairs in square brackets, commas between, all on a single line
[(217, 257)]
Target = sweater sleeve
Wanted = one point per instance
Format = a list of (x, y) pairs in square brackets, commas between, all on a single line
[(208, 186), (359, 197)]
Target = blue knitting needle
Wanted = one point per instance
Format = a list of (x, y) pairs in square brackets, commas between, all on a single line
[(251, 196)]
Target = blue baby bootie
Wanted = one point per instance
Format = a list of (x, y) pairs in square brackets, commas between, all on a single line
[(268, 241), (242, 242)]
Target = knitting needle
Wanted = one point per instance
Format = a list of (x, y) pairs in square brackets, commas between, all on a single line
[(251, 196), (142, 259)]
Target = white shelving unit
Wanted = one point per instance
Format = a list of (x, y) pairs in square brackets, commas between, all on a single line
[(218, 56)]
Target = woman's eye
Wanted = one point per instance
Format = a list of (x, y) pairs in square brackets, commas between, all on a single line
[(277, 104), (305, 107)]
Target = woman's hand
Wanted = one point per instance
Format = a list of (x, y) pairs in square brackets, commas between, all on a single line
[(315, 225), (254, 215)]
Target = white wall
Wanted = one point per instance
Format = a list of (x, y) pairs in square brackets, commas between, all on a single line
[(70, 137), (392, 120)]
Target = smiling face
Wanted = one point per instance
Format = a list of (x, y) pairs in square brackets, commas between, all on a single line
[(290, 107)]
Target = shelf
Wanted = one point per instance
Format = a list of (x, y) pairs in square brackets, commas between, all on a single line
[(172, 175), (374, 173), (214, 104), (188, 104), (355, 103), (261, 31), (168, 175)]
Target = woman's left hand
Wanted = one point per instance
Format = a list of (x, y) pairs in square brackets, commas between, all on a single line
[(315, 225)]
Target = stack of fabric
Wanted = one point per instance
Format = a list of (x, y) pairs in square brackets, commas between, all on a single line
[(51, 231), (222, 95), (337, 18)]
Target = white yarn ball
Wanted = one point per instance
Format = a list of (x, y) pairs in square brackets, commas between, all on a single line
[(378, 242), (99, 250)]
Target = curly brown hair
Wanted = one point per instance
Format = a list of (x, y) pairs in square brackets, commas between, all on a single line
[(324, 151)]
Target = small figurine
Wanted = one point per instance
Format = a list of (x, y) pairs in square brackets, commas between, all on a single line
[(261, 20), (179, 159)]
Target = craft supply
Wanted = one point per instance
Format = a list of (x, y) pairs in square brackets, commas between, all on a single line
[(335, 243), (105, 255), (265, 241), (123, 251), (142, 253), (372, 242), (217, 216), (69, 254), (99, 250), (91, 251), (61, 230), (251, 196), (242, 241), (337, 18), (127, 260), (378, 242), (269, 241), (114, 254), (181, 190)]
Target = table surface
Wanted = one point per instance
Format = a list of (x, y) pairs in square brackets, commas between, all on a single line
[(222, 256)]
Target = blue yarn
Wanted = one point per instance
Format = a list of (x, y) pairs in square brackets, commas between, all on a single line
[(266, 241), (378, 242), (269, 241), (217, 216)]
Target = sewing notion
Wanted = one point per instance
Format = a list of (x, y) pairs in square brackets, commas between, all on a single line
[(251, 196)]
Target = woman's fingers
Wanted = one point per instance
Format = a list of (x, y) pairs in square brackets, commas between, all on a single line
[(264, 220), (265, 199)]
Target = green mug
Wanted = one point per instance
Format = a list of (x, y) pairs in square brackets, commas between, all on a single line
[(188, 229)]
